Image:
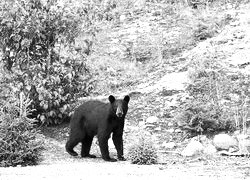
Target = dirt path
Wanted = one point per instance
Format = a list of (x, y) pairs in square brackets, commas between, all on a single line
[(57, 164), (118, 170)]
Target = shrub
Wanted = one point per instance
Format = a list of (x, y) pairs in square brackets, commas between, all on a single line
[(36, 38), (218, 98), (18, 138), (142, 153), (199, 117)]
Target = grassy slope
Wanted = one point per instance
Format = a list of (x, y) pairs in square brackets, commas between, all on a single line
[(155, 37)]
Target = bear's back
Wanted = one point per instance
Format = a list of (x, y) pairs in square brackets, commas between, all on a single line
[(92, 105), (93, 110)]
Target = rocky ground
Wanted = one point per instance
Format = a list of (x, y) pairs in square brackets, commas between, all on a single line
[(156, 97)]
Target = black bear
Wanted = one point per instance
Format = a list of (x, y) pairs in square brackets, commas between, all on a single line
[(101, 119)]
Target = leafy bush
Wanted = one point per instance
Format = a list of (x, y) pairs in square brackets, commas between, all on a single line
[(36, 38), (218, 98), (201, 117), (142, 153), (18, 138)]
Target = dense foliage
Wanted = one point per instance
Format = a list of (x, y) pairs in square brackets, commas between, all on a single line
[(19, 142), (35, 39), (218, 99)]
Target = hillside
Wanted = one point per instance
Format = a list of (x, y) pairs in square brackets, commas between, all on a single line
[(144, 44), (155, 73)]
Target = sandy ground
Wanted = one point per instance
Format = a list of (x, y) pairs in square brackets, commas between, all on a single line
[(97, 168)]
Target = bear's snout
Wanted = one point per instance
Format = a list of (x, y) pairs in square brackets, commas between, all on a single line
[(119, 112)]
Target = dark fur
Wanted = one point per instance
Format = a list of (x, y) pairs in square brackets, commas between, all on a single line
[(101, 119)]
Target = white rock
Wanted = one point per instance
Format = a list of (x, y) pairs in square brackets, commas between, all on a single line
[(170, 124), (122, 18), (171, 130), (169, 145), (158, 128), (244, 143), (224, 142), (178, 130), (141, 124), (139, 4), (193, 148), (152, 120), (207, 144), (210, 149)]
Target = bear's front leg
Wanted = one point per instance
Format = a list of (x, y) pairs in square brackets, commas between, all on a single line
[(103, 143), (118, 142)]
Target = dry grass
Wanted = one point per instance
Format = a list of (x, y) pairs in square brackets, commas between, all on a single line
[(154, 44), (141, 35)]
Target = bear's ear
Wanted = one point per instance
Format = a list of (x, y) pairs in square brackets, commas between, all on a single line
[(126, 98), (111, 99)]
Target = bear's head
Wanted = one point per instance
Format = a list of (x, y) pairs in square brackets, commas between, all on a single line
[(119, 106)]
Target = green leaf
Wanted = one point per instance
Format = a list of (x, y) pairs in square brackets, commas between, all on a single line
[(45, 106), (42, 118)]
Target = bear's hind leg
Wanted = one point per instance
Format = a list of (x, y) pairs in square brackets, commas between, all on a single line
[(86, 145), (70, 146), (74, 138)]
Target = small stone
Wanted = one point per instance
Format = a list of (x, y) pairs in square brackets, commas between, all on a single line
[(170, 130), (210, 149), (170, 124), (141, 123), (158, 128), (152, 120), (193, 148), (178, 130), (123, 18), (169, 145), (224, 142), (244, 143)]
